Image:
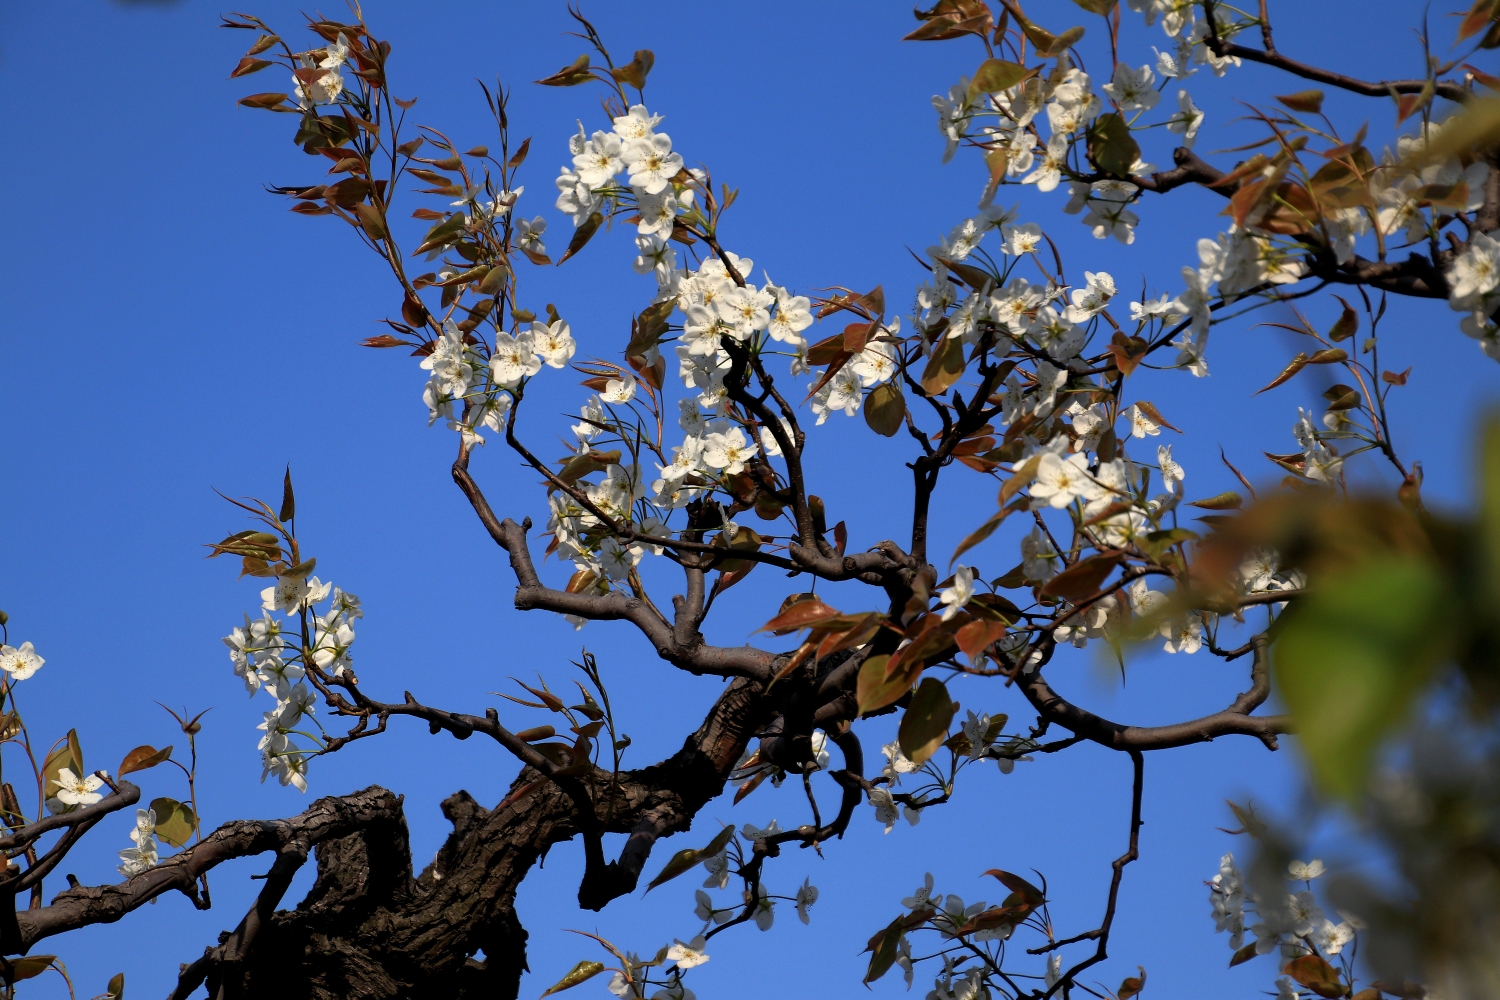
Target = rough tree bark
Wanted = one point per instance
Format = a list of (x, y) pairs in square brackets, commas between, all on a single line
[(369, 928)]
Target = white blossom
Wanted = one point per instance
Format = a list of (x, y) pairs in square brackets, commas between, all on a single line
[(20, 662)]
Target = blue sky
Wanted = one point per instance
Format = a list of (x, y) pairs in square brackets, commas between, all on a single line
[(209, 337)]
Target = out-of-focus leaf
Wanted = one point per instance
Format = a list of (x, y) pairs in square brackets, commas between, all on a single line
[(1112, 146), (1293, 367), (995, 75), (1127, 351), (925, 724), (1307, 101), (1352, 658), (1242, 956), (1314, 972), (1489, 505), (1477, 19), (1228, 500), (1476, 125), (1082, 579), (116, 988), (1346, 326)]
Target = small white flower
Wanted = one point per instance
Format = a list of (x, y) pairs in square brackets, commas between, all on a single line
[(688, 955), (554, 342), (807, 895), (954, 598), (21, 663), (1304, 871), (1187, 119), (75, 791), (1132, 88), (618, 390)]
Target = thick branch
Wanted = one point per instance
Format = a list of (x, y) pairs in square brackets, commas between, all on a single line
[(326, 819), (531, 594)]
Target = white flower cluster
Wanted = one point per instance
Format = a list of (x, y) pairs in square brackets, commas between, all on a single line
[(134, 860), (764, 903), (268, 655), (1318, 460), (635, 147), (1291, 923), (1065, 98), (325, 88), (463, 374)]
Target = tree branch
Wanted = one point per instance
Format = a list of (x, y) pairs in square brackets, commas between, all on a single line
[(1270, 57), (327, 818), (1232, 721)]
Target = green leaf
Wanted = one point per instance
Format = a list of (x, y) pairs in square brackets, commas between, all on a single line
[(175, 821), (288, 500), (684, 860), (1307, 101), (1097, 6), (924, 727), (944, 367), (143, 757), (874, 690), (1112, 146), (1228, 500), (116, 986), (885, 408), (1489, 506), (18, 969), (994, 75), (1352, 659), (582, 972), (58, 759)]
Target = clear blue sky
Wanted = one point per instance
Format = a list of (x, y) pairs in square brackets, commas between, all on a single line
[(209, 337)]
